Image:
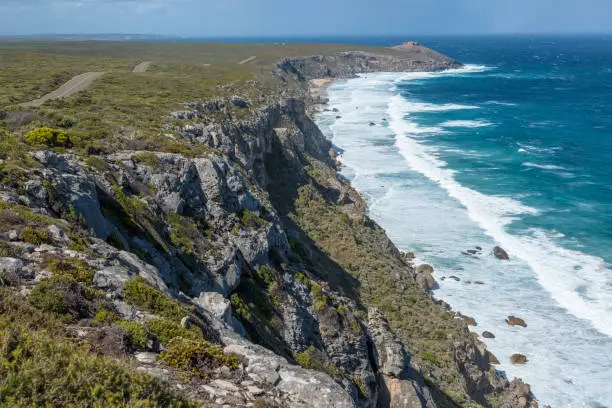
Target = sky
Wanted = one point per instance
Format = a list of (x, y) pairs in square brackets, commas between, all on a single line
[(303, 18)]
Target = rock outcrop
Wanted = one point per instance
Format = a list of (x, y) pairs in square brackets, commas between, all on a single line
[(349, 64), (500, 253)]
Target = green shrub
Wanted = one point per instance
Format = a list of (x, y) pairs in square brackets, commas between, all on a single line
[(321, 300), (95, 163), (49, 137), (251, 220), (104, 317), (147, 158), (34, 236), (166, 330), (187, 234), (313, 359), (137, 334), (300, 277), (76, 269), (430, 357), (361, 386), (240, 307), (140, 294), (198, 357), (64, 296), (135, 209), (38, 370)]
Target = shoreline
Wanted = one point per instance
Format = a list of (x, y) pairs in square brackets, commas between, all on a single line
[(318, 89)]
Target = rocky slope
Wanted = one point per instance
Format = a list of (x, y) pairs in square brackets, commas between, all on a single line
[(250, 275)]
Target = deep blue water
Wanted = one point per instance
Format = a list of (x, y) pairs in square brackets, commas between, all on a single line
[(514, 151)]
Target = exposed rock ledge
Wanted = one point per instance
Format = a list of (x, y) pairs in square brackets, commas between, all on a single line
[(350, 63)]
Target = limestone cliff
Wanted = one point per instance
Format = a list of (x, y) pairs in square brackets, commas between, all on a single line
[(269, 252)]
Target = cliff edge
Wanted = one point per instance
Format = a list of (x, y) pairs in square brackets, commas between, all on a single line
[(235, 269)]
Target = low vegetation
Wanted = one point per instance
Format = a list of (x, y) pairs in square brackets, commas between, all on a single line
[(197, 357), (41, 366), (139, 293)]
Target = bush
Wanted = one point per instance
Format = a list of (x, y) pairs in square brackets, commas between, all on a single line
[(76, 269), (40, 371), (196, 356), (135, 209), (104, 317), (48, 136), (64, 296), (166, 330), (138, 293), (240, 307), (137, 334), (34, 236), (147, 158), (313, 359), (251, 220)]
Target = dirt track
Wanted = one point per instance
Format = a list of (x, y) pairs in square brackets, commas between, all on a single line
[(142, 67), (247, 60), (76, 84)]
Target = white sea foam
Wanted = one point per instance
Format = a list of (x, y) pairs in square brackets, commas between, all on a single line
[(555, 266), (500, 103), (466, 123), (543, 166), (572, 366), (525, 148)]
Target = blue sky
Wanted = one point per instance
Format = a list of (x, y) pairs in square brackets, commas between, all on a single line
[(304, 17)]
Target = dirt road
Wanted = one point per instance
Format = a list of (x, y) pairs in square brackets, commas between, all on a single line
[(76, 84), (142, 67), (247, 60)]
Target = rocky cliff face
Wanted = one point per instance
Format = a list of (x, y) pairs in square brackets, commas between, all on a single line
[(348, 64), (225, 235)]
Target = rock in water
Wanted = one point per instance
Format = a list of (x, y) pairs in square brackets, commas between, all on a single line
[(488, 335), (518, 359), (500, 253), (516, 321)]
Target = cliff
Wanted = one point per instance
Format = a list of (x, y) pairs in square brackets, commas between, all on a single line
[(241, 271), (349, 63)]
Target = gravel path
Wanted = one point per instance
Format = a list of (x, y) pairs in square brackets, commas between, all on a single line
[(247, 60), (142, 67), (76, 84)]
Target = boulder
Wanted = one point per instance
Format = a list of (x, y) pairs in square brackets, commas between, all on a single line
[(426, 281), (470, 321), (11, 265), (492, 358), (500, 253), (517, 395), (518, 359), (516, 321), (488, 335), (239, 102), (372, 124)]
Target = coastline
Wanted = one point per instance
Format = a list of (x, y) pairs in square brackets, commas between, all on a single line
[(319, 91)]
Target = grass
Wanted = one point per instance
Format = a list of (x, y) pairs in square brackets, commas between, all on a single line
[(126, 111)]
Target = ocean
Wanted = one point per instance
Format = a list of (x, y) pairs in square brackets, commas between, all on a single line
[(513, 150)]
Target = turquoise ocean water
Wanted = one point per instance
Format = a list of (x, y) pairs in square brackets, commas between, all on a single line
[(512, 150)]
